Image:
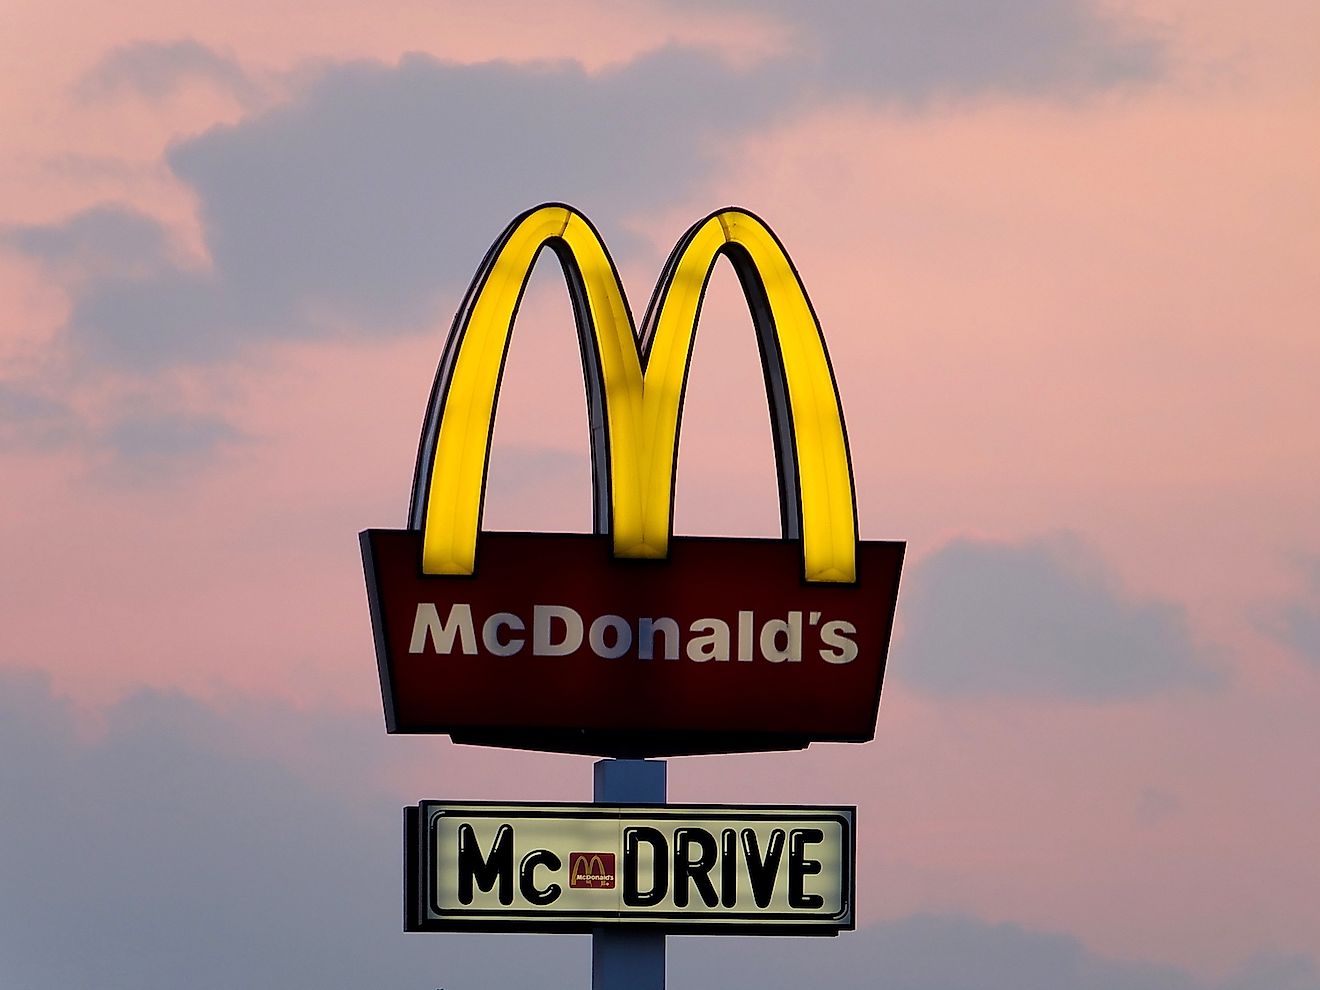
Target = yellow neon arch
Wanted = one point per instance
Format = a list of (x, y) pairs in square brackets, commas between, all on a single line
[(634, 398)]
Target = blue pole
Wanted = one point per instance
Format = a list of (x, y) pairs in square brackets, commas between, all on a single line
[(623, 959)]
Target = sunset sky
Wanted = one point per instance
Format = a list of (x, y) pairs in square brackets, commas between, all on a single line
[(1066, 256)]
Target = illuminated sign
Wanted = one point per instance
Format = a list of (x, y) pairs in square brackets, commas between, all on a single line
[(496, 867), (632, 641)]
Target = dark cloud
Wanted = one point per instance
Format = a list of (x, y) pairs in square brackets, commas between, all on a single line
[(1298, 626), (147, 324), (931, 952), (107, 254), (1277, 971), (382, 183), (1296, 623), (1038, 619), (145, 437), (166, 853), (164, 844), (913, 51), (29, 417), (154, 442), (104, 242), (158, 69), (1154, 805), (924, 953), (363, 204)]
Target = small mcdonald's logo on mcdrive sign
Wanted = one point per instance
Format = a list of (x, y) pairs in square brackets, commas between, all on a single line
[(594, 871)]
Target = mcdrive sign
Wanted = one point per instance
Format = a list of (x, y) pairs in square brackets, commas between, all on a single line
[(631, 641), (566, 868)]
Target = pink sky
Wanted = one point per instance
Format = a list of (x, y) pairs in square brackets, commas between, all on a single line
[(1090, 314)]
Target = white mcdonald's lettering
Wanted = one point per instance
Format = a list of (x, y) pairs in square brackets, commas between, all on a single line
[(558, 630), (544, 643), (635, 391), (442, 634)]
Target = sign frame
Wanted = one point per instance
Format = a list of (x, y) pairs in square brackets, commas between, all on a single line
[(417, 863)]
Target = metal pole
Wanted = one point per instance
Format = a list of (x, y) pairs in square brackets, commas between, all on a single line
[(622, 959)]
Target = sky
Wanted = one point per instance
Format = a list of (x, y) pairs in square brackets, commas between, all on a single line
[(1066, 256)]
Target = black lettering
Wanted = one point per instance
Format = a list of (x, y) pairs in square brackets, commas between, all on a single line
[(632, 837), (762, 872), (729, 868), (498, 866), (527, 879), (800, 867), (697, 871)]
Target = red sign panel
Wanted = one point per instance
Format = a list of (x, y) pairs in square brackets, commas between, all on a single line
[(555, 644)]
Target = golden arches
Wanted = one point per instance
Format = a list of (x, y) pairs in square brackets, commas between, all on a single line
[(634, 399)]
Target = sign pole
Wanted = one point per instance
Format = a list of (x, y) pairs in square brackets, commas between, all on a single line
[(628, 960)]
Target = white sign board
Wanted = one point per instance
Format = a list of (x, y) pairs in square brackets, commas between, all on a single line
[(562, 867)]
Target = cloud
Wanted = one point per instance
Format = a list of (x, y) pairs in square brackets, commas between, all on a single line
[(1298, 626), (362, 204), (149, 442), (1155, 805), (149, 435), (104, 242), (928, 953), (1042, 618), (914, 51), (943, 952), (167, 852), (157, 70), (1296, 623), (106, 254), (30, 418), (383, 183), (163, 843), (1277, 971)]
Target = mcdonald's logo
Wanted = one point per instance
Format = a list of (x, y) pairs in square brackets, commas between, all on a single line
[(591, 870), (635, 390), (714, 644)]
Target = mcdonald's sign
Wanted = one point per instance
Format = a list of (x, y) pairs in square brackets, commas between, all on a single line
[(594, 871), (691, 869), (632, 641)]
